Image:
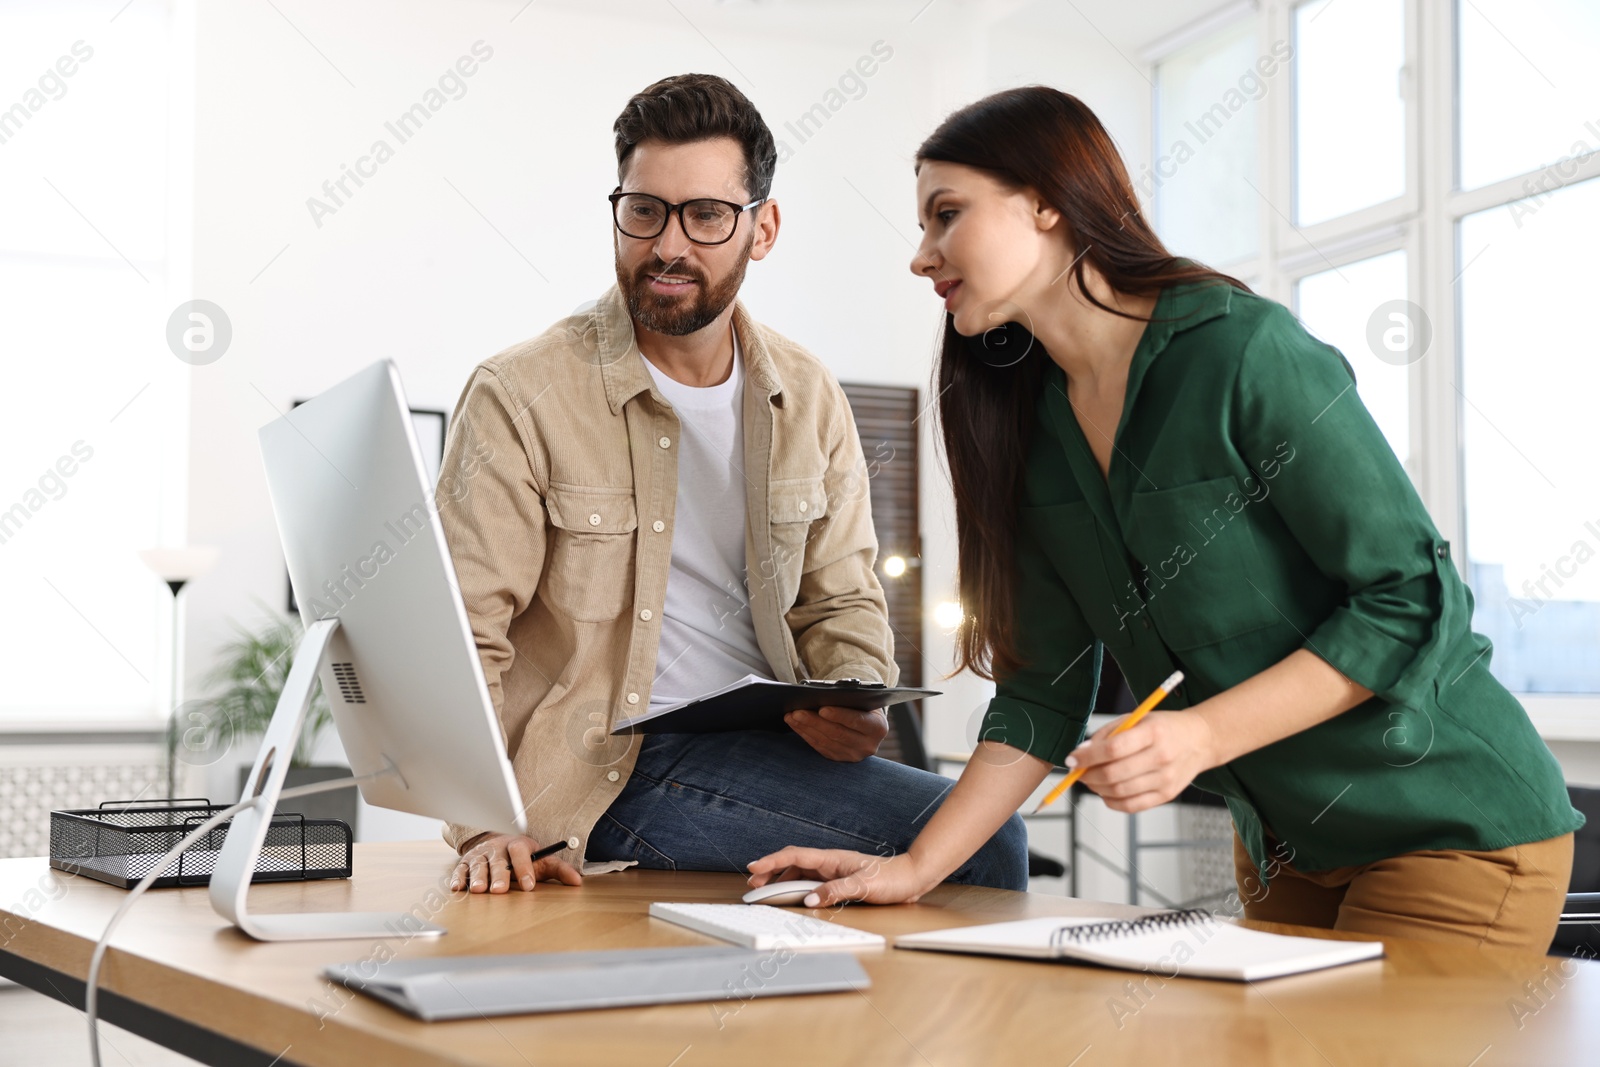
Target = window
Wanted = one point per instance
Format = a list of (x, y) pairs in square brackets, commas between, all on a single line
[(1528, 383), (1348, 307), (91, 472), (1529, 86), (1207, 95), (1430, 188), (1350, 121)]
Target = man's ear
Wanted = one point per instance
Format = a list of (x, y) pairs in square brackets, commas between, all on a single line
[(767, 221)]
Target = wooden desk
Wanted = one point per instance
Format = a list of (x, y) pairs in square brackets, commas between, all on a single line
[(178, 975)]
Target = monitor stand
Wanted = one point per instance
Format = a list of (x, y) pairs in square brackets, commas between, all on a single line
[(230, 879)]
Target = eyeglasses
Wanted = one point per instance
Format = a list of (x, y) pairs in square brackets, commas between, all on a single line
[(704, 221)]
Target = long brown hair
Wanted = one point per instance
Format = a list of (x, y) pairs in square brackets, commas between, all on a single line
[(1048, 141)]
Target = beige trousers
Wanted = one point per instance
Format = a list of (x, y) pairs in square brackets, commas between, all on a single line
[(1510, 897)]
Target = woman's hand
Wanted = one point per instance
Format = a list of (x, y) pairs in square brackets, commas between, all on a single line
[(488, 865), (846, 875), (1148, 764)]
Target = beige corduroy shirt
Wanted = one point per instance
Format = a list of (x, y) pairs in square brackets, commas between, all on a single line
[(557, 494)]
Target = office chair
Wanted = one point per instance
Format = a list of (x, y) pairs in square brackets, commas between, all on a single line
[(1579, 932)]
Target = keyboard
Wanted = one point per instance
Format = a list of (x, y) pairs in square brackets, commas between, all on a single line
[(761, 926)]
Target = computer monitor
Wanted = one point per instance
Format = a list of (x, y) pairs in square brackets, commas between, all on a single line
[(385, 630)]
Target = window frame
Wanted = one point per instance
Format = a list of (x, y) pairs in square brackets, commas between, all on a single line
[(1424, 222)]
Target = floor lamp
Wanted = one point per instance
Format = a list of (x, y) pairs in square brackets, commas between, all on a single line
[(177, 567)]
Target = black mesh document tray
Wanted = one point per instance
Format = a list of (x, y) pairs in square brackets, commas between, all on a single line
[(120, 843)]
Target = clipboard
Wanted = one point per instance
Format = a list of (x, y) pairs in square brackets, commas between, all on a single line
[(755, 703)]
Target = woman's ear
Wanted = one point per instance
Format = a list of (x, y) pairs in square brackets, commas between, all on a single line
[(1045, 216)]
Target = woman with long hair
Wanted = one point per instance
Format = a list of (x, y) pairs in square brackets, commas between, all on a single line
[(1153, 462)]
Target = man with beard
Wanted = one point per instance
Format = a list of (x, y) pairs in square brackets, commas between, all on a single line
[(653, 499)]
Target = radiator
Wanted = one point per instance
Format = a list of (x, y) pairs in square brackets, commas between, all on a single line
[(1205, 874), (37, 778)]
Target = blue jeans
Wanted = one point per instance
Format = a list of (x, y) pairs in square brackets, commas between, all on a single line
[(714, 802)]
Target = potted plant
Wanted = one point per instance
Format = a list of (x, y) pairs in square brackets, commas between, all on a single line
[(248, 679)]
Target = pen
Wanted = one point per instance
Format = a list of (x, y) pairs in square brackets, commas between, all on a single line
[(551, 850), (1138, 713)]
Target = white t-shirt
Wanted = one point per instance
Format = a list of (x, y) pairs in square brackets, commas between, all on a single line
[(708, 639)]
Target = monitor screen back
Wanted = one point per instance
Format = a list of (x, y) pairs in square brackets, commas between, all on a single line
[(363, 543)]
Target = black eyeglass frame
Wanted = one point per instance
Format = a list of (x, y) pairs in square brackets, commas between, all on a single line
[(666, 219)]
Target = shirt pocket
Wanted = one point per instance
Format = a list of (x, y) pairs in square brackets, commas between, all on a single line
[(793, 504), (589, 576), (1205, 581)]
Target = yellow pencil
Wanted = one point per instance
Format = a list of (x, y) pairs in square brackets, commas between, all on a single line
[(1138, 713)]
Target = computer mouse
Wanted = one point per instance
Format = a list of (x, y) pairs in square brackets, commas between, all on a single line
[(782, 894)]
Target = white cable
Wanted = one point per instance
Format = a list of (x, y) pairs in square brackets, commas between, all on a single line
[(91, 999)]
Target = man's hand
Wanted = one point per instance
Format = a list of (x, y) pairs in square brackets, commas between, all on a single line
[(845, 875), (491, 860), (1147, 764), (842, 734)]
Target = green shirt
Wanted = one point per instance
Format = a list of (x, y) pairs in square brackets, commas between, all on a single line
[(1253, 507)]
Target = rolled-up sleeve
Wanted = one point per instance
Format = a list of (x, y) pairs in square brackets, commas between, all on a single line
[(1041, 708), (1348, 501)]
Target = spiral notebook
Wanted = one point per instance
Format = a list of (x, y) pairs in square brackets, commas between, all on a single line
[(1189, 942)]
